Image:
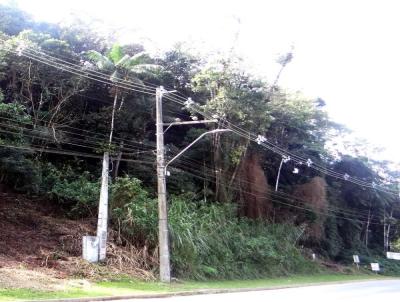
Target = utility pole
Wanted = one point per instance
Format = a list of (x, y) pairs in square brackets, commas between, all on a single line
[(163, 234), (102, 220), (103, 209), (165, 270)]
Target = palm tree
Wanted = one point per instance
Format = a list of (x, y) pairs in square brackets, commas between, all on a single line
[(120, 67)]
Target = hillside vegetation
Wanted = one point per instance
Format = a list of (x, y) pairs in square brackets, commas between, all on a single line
[(70, 97)]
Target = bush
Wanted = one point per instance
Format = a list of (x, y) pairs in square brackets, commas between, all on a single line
[(18, 171), (388, 267), (134, 212), (79, 192), (208, 240)]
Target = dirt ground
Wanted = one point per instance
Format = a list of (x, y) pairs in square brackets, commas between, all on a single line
[(42, 250), (33, 233)]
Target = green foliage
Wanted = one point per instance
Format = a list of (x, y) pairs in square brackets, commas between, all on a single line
[(396, 245), (134, 211), (46, 93), (115, 53), (208, 240), (79, 192), (40, 103), (332, 244), (236, 154), (18, 171), (12, 117), (388, 267), (230, 93)]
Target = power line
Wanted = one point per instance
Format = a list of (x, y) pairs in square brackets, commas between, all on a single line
[(276, 149), (275, 200), (237, 130), (46, 54), (94, 73), (130, 142), (72, 153), (84, 73), (266, 144), (191, 164), (298, 159), (76, 142), (286, 196), (52, 59)]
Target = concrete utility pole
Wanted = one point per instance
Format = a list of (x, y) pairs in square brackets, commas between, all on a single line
[(102, 220), (103, 209), (165, 270), (163, 236)]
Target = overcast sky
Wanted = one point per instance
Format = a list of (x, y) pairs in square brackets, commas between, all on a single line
[(346, 52)]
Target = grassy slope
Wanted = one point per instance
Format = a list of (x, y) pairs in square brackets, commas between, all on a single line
[(131, 287)]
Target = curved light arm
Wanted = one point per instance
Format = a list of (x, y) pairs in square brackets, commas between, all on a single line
[(195, 141), (189, 123)]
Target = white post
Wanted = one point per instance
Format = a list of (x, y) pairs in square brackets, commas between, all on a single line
[(102, 220)]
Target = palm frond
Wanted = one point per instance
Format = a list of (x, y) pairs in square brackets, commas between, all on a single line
[(145, 68), (123, 61), (115, 53), (102, 62)]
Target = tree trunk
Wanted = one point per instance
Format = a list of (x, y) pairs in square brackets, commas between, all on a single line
[(113, 115), (386, 231), (217, 160), (367, 228), (238, 165), (205, 181), (119, 156)]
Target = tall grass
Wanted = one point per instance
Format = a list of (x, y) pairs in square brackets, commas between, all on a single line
[(208, 240)]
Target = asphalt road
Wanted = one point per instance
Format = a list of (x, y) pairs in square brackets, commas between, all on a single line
[(377, 291)]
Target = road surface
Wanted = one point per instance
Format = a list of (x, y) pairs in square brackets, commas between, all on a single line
[(377, 291)]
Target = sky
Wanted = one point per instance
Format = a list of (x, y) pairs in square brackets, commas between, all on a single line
[(345, 52)]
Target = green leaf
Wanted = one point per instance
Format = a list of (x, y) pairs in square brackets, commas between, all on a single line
[(122, 62), (102, 62), (145, 68), (139, 58), (116, 53)]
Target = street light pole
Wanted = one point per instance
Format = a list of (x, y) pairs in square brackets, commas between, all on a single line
[(195, 141), (284, 159), (163, 236), (279, 174), (165, 270)]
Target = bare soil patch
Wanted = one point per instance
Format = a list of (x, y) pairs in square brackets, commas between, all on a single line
[(41, 249)]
